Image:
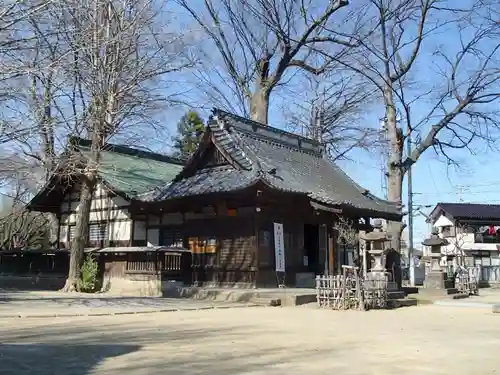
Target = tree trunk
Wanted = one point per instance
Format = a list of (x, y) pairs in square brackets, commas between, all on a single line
[(259, 105), (81, 233), (395, 172)]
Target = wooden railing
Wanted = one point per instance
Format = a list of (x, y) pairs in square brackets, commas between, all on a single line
[(141, 266), (166, 263), (172, 263)]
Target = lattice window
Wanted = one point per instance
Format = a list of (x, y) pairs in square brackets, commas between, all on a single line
[(98, 232), (172, 262), (71, 232), (141, 262)]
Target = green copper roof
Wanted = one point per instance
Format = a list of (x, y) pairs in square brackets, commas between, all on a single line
[(133, 171)]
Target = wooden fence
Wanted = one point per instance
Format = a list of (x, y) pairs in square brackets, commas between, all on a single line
[(467, 280), (351, 291)]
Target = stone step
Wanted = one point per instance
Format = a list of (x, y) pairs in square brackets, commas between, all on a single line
[(430, 298), (442, 292), (401, 302), (266, 301), (410, 289), (396, 294)]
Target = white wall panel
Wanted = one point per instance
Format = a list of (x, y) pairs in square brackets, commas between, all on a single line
[(153, 237), (140, 232)]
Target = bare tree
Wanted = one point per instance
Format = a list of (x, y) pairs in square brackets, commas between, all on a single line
[(457, 82), (13, 36), (330, 109), (457, 243), (19, 228), (348, 237), (346, 230), (44, 103), (260, 43), (119, 51)]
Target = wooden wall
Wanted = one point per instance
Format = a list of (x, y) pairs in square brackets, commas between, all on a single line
[(106, 208), (234, 259), (223, 240), (294, 213)]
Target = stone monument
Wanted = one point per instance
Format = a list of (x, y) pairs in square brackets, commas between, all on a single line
[(377, 240), (376, 285), (435, 280)]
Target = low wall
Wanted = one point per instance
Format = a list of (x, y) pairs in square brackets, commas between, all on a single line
[(32, 282), (141, 285)]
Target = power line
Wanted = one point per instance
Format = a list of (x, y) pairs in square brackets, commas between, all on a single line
[(460, 192)]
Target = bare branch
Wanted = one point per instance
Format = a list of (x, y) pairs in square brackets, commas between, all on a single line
[(259, 41)]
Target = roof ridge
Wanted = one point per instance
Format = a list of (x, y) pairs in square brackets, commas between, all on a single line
[(267, 127), (468, 204), (127, 150)]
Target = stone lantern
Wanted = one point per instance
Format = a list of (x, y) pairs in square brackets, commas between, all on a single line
[(436, 277), (377, 240)]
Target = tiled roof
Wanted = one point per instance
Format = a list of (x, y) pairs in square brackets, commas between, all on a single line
[(283, 160), (470, 210), (133, 171), (205, 181), (124, 169)]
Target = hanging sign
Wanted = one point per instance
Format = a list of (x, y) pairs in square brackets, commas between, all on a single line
[(279, 247)]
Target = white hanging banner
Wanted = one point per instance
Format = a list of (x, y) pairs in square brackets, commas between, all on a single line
[(279, 247)]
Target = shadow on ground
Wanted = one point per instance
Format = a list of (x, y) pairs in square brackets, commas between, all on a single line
[(149, 349), (45, 359)]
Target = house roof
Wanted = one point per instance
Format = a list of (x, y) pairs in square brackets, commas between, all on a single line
[(133, 171), (125, 170), (282, 160), (467, 211)]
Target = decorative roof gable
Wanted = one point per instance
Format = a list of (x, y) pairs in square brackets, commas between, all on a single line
[(282, 160)]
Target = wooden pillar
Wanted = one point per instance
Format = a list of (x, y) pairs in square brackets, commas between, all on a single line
[(331, 251)]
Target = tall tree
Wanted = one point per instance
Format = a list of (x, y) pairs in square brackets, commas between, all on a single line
[(38, 121), (13, 36), (330, 109), (19, 228), (189, 131), (259, 42), (118, 51), (458, 82)]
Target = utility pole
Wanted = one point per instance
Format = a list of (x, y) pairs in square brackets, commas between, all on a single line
[(410, 215)]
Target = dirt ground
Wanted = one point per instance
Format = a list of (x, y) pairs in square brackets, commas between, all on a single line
[(254, 340)]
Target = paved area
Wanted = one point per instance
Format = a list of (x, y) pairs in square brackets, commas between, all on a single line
[(488, 298), (258, 341), (50, 304)]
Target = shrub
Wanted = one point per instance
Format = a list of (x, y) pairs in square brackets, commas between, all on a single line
[(90, 274)]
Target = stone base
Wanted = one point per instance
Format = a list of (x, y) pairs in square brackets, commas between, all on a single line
[(435, 280), (435, 292), (392, 286), (133, 285)]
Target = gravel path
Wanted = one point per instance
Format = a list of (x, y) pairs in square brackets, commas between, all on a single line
[(50, 304), (419, 340)]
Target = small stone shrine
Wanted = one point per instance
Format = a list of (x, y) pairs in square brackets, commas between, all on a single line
[(436, 280), (376, 282), (376, 240)]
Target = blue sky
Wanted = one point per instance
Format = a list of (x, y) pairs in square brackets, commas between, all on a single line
[(434, 180)]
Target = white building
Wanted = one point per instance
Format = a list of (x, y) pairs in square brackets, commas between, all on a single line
[(473, 233)]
